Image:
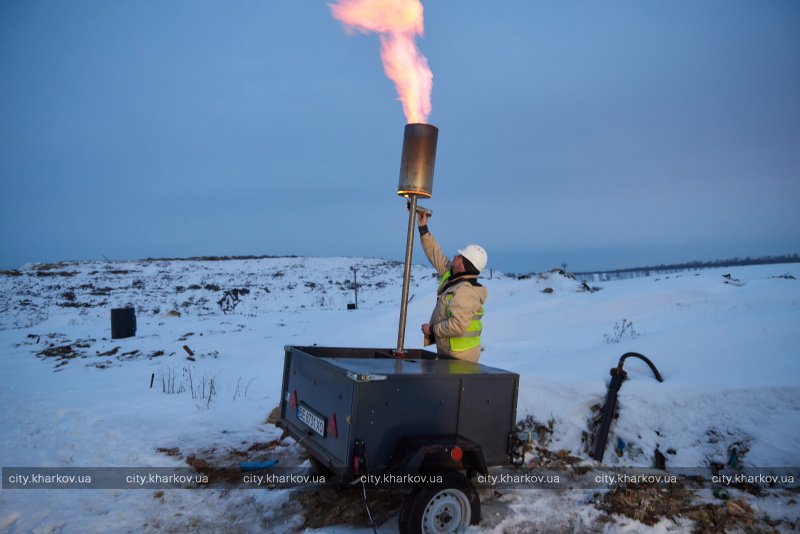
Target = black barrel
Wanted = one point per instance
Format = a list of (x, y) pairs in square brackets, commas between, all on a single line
[(123, 322)]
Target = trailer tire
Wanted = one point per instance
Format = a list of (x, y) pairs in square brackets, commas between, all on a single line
[(449, 506)]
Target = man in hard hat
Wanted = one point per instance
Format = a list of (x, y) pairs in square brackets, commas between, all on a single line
[(455, 324)]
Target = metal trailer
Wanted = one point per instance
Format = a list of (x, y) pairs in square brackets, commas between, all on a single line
[(360, 411)]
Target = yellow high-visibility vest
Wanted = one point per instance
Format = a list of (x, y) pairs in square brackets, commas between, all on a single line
[(472, 337)]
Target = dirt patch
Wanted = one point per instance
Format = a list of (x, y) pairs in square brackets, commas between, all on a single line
[(722, 518), (63, 353), (231, 298), (339, 505), (172, 451), (646, 504), (649, 505), (215, 475), (62, 350), (536, 449), (345, 506), (101, 292), (221, 464), (105, 364), (56, 273), (274, 415), (68, 304), (132, 355)]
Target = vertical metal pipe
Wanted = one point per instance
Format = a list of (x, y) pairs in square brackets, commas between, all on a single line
[(355, 285), (416, 179), (412, 222)]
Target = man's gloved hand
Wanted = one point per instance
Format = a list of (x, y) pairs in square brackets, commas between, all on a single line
[(429, 338), (422, 217)]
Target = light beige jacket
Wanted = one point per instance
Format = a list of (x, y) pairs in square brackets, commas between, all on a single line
[(467, 299)]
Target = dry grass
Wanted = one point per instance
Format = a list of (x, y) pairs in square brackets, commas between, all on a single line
[(649, 505)]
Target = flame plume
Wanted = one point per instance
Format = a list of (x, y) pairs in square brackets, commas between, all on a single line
[(398, 22)]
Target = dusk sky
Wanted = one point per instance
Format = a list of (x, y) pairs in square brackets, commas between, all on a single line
[(597, 134)]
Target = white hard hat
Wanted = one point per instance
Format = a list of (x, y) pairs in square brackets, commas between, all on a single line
[(476, 256)]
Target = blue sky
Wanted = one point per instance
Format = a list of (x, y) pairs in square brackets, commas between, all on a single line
[(597, 134)]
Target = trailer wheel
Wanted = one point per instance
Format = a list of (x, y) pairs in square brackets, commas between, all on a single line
[(450, 506)]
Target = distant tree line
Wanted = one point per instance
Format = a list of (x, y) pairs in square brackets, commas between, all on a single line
[(635, 272), (219, 258)]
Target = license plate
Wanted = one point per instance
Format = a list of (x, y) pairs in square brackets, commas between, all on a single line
[(315, 422)]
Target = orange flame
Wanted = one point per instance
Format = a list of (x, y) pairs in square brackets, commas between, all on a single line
[(397, 22)]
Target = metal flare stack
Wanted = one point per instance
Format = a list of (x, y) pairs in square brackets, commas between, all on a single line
[(416, 180)]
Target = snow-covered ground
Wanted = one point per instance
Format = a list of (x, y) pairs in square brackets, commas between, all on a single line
[(727, 347)]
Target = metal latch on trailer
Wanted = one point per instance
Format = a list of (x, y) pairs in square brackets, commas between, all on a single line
[(364, 377)]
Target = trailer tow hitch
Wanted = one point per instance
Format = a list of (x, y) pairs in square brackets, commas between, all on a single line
[(618, 375)]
